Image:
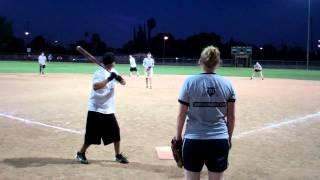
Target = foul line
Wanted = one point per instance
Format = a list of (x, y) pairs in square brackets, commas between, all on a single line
[(278, 125), (240, 135), (27, 121)]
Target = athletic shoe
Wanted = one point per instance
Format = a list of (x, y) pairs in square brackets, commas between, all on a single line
[(121, 159), (81, 157)]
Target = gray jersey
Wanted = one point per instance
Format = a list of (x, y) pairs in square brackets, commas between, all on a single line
[(207, 96)]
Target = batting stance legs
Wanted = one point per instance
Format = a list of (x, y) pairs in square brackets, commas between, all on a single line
[(116, 147)]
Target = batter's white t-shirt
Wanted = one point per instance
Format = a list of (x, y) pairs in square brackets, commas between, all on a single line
[(102, 100)]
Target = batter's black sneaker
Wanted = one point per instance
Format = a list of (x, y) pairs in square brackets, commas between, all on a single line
[(81, 157), (121, 159)]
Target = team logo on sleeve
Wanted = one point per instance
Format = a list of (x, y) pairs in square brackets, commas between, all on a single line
[(211, 91)]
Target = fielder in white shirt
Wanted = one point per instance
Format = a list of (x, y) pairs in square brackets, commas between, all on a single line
[(257, 69), (101, 121), (133, 65), (148, 64), (42, 59)]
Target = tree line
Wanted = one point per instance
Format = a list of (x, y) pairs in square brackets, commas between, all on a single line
[(144, 41)]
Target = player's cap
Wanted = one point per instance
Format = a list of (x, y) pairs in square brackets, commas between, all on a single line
[(108, 58)]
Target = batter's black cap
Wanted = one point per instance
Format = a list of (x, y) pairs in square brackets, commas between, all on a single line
[(108, 58)]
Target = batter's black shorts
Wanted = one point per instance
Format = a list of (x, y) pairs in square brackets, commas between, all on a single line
[(213, 153), (257, 70), (101, 126), (133, 69)]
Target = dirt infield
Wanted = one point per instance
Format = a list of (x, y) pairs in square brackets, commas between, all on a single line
[(287, 149)]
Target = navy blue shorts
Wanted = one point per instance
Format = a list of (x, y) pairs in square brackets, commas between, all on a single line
[(213, 153)]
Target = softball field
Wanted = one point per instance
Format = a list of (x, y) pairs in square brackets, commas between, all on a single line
[(42, 121)]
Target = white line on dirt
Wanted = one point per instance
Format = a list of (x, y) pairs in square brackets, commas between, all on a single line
[(278, 125), (27, 121), (243, 134)]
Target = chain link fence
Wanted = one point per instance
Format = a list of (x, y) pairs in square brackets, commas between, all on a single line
[(124, 59)]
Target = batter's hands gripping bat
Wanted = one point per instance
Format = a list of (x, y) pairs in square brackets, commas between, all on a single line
[(89, 56), (94, 60)]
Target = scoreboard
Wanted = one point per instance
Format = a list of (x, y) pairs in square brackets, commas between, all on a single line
[(242, 55)]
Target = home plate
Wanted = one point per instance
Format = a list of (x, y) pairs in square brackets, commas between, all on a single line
[(164, 152)]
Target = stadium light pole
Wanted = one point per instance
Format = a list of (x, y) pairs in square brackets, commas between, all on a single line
[(318, 50), (308, 33), (261, 51), (26, 35), (165, 38)]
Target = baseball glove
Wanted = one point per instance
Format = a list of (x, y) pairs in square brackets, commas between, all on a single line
[(149, 68), (176, 147)]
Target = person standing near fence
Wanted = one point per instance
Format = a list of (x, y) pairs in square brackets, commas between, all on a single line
[(133, 65), (148, 64), (50, 58), (257, 69), (42, 59)]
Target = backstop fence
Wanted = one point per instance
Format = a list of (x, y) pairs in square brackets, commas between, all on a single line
[(286, 64)]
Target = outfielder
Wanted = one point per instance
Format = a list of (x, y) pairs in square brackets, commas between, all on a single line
[(42, 59), (148, 64), (257, 68), (207, 103), (101, 121), (133, 65)]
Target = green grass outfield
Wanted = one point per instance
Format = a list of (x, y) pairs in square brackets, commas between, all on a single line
[(89, 68)]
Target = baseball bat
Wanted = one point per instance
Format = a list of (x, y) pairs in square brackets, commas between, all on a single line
[(89, 56)]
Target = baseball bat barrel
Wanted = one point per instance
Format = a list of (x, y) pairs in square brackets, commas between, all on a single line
[(86, 54)]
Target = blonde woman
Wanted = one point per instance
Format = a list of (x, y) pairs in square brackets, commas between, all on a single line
[(207, 104)]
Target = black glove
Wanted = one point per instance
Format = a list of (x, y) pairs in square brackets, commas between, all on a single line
[(112, 76), (119, 78), (176, 147)]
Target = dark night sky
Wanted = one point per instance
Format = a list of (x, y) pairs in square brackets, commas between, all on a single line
[(259, 22)]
